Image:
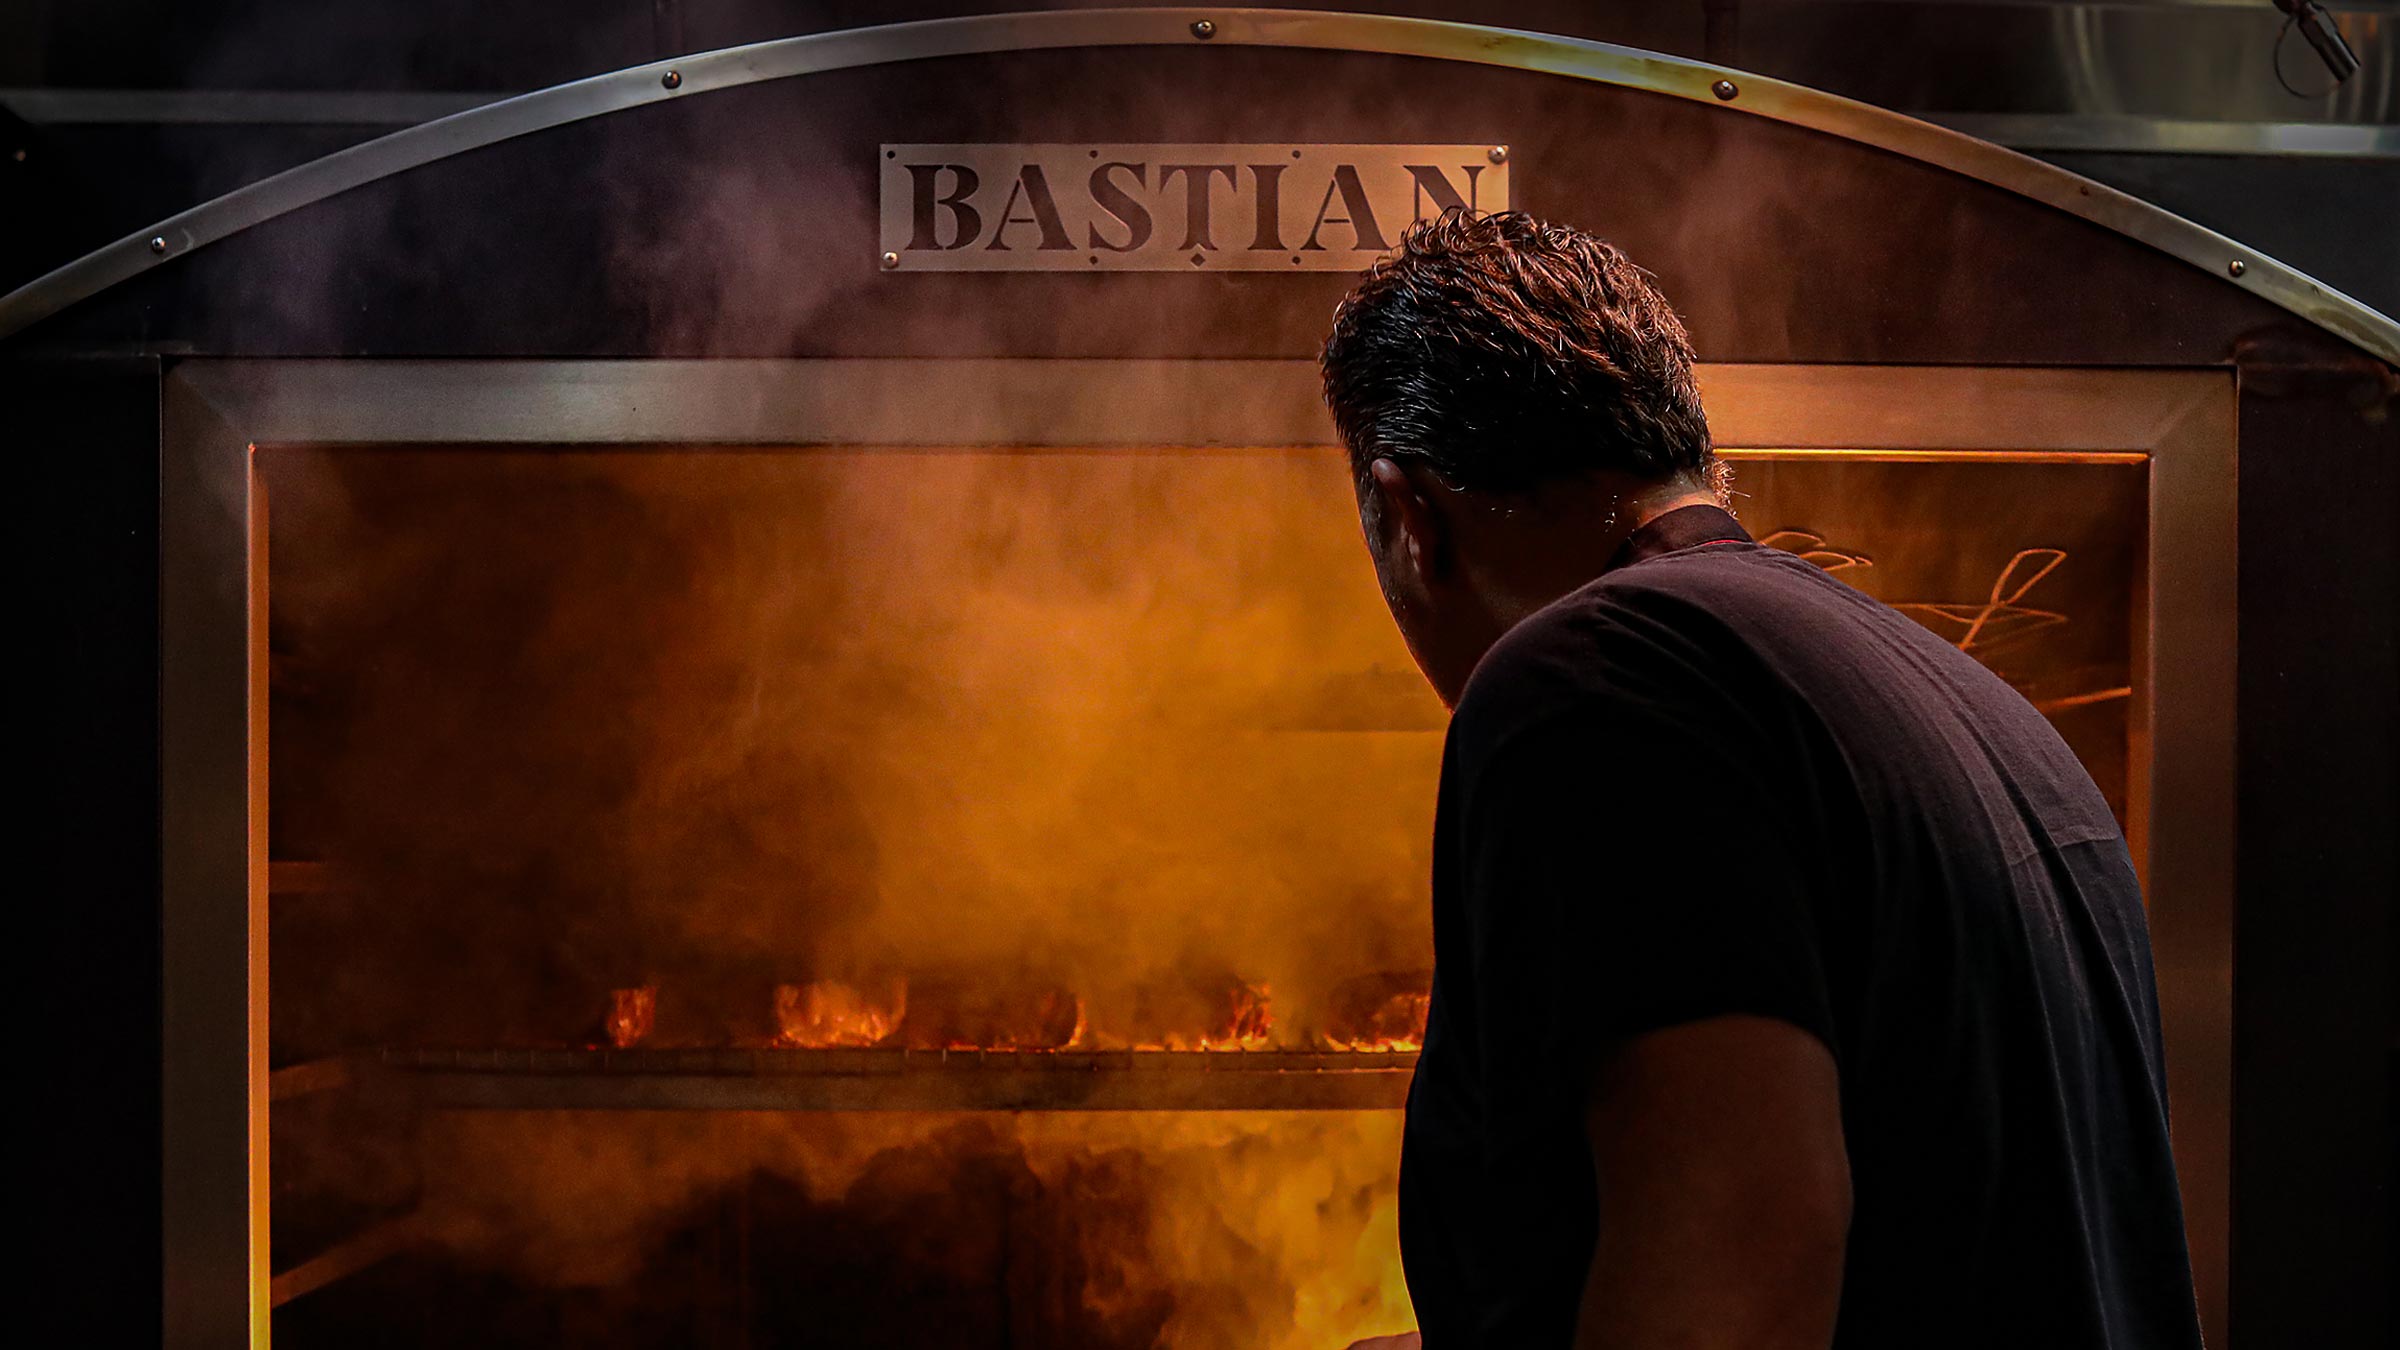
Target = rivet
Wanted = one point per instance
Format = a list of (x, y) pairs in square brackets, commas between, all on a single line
[(1498, 154), (890, 261), (17, 155), (673, 79), (158, 243), (1724, 89), (1203, 29), (2237, 267)]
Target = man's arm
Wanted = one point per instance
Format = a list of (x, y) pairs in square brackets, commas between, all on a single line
[(1724, 1190)]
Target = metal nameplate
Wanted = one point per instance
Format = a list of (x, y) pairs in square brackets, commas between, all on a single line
[(1160, 208)]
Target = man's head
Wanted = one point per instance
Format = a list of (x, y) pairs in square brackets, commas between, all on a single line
[(1516, 399)]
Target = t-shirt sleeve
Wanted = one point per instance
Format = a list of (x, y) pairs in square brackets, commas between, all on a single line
[(1621, 878)]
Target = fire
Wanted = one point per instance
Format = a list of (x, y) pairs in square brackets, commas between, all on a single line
[(824, 1014), (631, 1013), (1369, 1014), (1384, 1012), (1398, 1023), (1195, 1012), (961, 1014), (1250, 1023)]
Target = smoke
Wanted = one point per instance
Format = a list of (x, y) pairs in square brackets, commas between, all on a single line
[(714, 720), (1202, 1230), (720, 720)]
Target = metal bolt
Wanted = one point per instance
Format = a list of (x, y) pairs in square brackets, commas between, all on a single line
[(890, 261), (1724, 89), (1203, 29), (158, 243), (2237, 267), (673, 79), (1498, 154), (17, 155)]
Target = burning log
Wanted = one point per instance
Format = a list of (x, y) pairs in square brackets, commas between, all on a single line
[(631, 1014), (823, 1014), (1383, 1011), (1250, 1020), (1222, 1013), (947, 1014)]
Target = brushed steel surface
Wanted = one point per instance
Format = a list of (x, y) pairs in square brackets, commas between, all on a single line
[(854, 48)]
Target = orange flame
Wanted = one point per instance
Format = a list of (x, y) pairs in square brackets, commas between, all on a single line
[(824, 1014), (1396, 1024), (631, 1012)]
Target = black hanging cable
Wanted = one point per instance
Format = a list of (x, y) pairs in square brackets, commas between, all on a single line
[(2283, 36), (2323, 34)]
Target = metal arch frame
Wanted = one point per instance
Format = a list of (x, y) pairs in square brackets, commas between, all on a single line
[(1574, 58)]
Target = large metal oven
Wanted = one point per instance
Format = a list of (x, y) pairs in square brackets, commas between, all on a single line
[(769, 716)]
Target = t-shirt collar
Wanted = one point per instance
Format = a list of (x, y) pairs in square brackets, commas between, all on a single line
[(1679, 529)]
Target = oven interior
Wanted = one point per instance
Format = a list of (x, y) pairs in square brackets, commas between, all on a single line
[(916, 896)]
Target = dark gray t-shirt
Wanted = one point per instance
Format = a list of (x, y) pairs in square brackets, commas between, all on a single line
[(1717, 781)]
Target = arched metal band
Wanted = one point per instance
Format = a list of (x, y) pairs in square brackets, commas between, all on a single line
[(988, 34)]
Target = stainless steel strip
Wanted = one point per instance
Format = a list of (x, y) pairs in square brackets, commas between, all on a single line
[(406, 108), (1111, 406), (312, 1077), (2171, 136), (981, 35), (238, 107), (345, 1259)]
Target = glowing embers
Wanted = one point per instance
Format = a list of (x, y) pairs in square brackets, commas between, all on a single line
[(1998, 619), (1994, 629), (824, 1014), (1251, 1023), (1974, 626), (1810, 546), (957, 1013), (1381, 1012), (1222, 1012)]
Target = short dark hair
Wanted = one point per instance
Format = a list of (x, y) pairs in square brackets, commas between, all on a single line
[(1504, 353)]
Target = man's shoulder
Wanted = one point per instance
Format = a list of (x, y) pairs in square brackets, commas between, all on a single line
[(1555, 662), (1671, 640), (1577, 657)]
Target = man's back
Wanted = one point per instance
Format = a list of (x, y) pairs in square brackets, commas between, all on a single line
[(1716, 781)]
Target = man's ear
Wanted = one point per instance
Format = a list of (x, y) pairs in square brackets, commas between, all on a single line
[(1414, 525)]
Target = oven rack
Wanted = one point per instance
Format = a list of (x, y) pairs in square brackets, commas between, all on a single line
[(773, 1079)]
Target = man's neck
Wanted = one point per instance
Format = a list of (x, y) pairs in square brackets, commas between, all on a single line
[(1577, 543)]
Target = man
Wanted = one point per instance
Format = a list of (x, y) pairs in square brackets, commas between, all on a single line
[(1792, 986)]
